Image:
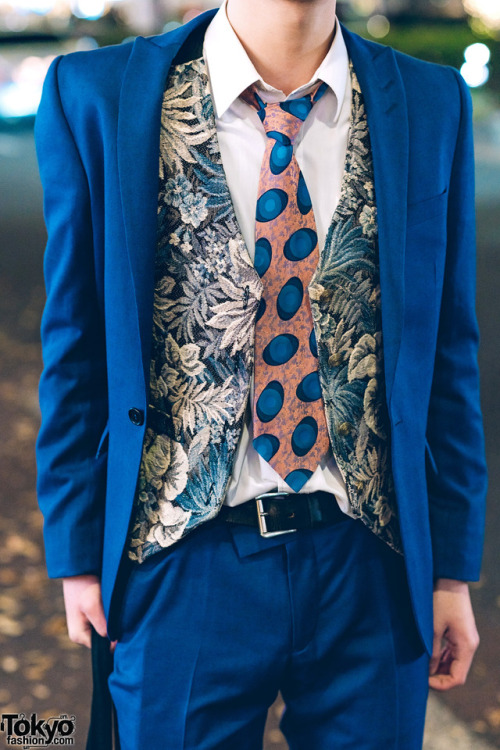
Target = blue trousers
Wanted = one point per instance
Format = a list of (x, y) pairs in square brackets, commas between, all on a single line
[(214, 627)]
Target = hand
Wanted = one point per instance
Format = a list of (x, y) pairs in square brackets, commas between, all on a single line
[(455, 635), (83, 602)]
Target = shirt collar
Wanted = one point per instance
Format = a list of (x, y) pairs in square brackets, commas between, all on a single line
[(228, 81)]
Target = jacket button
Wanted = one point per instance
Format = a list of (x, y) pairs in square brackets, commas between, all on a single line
[(136, 416)]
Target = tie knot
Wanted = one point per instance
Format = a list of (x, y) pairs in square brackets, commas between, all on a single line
[(283, 118)]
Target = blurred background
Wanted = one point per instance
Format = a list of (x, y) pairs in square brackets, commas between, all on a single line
[(40, 669)]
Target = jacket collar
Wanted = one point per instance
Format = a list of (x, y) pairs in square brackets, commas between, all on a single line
[(138, 155)]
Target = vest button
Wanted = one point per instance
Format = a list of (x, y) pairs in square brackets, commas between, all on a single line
[(136, 416)]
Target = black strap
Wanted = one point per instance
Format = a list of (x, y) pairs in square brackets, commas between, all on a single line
[(103, 729), (288, 511)]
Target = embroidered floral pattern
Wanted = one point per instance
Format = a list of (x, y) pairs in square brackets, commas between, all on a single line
[(206, 299), (345, 300)]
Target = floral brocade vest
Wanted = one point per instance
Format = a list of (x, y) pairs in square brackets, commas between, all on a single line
[(206, 298)]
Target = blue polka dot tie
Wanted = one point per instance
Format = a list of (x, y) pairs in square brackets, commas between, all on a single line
[(289, 424)]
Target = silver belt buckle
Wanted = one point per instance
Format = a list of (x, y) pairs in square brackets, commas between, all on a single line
[(261, 515)]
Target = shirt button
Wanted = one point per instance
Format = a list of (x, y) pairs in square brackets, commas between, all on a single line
[(136, 416)]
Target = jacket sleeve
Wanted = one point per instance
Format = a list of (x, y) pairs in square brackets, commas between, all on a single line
[(455, 444), (71, 453)]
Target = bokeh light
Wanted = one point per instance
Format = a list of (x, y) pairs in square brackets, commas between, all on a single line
[(21, 96), (488, 11), (477, 54), (35, 6), (365, 7), (15, 15), (90, 9), (378, 26), (475, 69), (474, 75)]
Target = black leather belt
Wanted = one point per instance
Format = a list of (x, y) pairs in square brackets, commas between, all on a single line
[(276, 513)]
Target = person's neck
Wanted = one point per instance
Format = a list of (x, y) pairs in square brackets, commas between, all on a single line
[(286, 40)]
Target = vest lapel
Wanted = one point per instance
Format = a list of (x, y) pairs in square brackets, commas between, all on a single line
[(385, 103)]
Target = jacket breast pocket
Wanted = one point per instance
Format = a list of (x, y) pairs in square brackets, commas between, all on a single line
[(426, 209)]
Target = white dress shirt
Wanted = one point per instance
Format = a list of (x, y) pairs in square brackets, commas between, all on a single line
[(320, 149)]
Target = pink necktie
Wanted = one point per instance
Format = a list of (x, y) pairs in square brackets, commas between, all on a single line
[(290, 430)]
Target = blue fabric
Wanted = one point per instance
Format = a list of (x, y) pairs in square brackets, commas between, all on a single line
[(323, 616), (97, 136)]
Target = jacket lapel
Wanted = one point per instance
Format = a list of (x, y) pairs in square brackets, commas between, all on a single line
[(386, 111), (138, 160)]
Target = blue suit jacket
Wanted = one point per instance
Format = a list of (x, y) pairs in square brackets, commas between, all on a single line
[(97, 136)]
